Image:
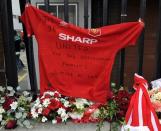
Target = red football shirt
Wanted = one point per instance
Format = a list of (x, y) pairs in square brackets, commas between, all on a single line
[(75, 61)]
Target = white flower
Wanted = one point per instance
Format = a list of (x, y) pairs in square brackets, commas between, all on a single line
[(26, 93), (46, 102), (66, 104), (1, 117), (49, 93), (80, 103), (29, 99), (44, 119), (14, 105), (2, 100), (76, 115), (61, 111), (18, 88), (96, 113), (39, 110), (18, 115), (12, 92), (54, 121), (27, 124), (37, 102), (10, 88), (1, 110), (65, 117), (34, 113), (24, 115), (2, 89)]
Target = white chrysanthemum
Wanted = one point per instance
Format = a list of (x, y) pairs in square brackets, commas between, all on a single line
[(2, 89), (2, 100), (157, 96), (40, 110), (34, 114), (1, 110), (26, 93), (64, 117), (10, 88), (49, 93), (12, 92), (61, 111), (18, 115), (44, 119), (76, 115), (96, 113), (66, 104), (46, 102), (80, 103), (1, 117), (14, 105), (54, 121), (37, 102)]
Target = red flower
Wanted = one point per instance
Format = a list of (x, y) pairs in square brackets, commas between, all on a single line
[(58, 119), (8, 101), (46, 112), (55, 104), (57, 95), (11, 124), (121, 114)]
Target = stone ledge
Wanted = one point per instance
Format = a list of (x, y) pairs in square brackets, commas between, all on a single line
[(64, 127)]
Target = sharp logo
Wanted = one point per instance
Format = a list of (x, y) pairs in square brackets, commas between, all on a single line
[(83, 40)]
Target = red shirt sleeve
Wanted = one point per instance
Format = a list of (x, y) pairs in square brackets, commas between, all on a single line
[(31, 20), (129, 33)]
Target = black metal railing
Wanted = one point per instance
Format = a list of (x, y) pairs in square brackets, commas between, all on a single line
[(123, 14)]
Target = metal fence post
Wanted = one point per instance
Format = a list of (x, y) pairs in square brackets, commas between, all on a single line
[(29, 54), (66, 11), (86, 13), (141, 40), (105, 12), (122, 53), (9, 49), (47, 5)]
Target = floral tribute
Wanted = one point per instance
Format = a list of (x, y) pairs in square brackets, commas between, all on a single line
[(20, 110), (155, 97), (14, 108)]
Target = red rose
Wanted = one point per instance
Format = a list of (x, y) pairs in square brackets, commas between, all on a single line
[(55, 104), (58, 119), (121, 114), (8, 101), (11, 124), (71, 99), (46, 112), (57, 95)]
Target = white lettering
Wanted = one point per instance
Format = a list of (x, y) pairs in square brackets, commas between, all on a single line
[(62, 36), (70, 37), (78, 39), (94, 41), (84, 40)]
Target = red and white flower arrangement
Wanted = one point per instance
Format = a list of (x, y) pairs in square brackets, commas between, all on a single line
[(18, 110)]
